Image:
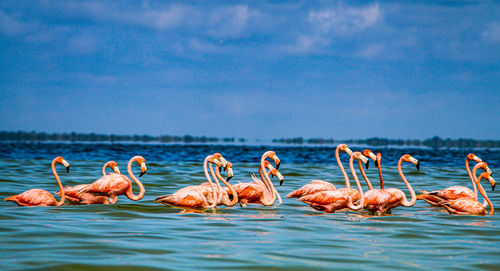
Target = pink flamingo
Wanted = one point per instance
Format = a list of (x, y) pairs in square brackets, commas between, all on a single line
[(470, 206), (72, 195), (455, 192), (224, 198), (319, 185), (382, 200), (330, 201), (193, 196), (206, 188), (113, 185), (40, 197), (261, 191)]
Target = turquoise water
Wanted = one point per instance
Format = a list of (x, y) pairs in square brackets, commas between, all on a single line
[(291, 236)]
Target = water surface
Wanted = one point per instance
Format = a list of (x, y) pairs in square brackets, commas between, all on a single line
[(291, 236)]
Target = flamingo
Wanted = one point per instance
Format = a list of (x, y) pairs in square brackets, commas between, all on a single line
[(113, 185), (40, 197), (224, 198), (330, 201), (193, 196), (471, 206), (207, 188), (72, 195), (319, 185), (456, 192), (382, 200), (261, 191)]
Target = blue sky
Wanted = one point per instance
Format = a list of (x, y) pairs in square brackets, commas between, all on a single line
[(252, 69)]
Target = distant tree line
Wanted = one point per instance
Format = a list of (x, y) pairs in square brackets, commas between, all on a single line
[(92, 137), (434, 142)]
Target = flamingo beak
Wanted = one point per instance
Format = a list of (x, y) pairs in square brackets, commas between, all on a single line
[(367, 165), (280, 177), (348, 151), (493, 187), (488, 170), (223, 162), (66, 165), (143, 169), (117, 170), (418, 165), (229, 174), (277, 161)]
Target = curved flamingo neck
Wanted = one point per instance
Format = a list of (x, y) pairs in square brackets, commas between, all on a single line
[(379, 165), (358, 184), (360, 164), (474, 176), (405, 202), (270, 194), (344, 173), (217, 184), (214, 194), (481, 190), (63, 197), (471, 176), (104, 168), (233, 192), (130, 194)]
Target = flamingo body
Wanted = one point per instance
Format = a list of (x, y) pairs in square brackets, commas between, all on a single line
[(330, 201), (312, 187), (72, 195), (187, 197), (450, 193), (249, 192), (34, 197), (468, 206)]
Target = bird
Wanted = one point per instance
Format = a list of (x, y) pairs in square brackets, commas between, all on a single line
[(193, 196), (40, 197), (319, 185), (72, 195), (330, 201), (113, 185), (381, 201), (456, 192), (228, 196), (471, 206), (261, 191)]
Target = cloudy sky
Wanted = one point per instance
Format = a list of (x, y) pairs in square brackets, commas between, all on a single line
[(252, 69)]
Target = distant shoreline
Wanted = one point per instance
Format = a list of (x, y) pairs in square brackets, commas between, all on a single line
[(434, 142)]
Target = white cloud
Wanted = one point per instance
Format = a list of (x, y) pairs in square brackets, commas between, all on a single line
[(11, 26), (345, 20), (492, 32), (83, 43), (371, 50), (228, 21)]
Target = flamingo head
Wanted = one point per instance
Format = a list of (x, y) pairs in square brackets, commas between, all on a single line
[(483, 166), (369, 153), (344, 148), (222, 160), (274, 172), (272, 155), (408, 158), (361, 157), (229, 171), (114, 166), (141, 161), (473, 157), (63, 162), (486, 175), (214, 160)]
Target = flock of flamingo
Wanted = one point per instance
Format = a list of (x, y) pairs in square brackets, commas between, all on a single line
[(320, 195)]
